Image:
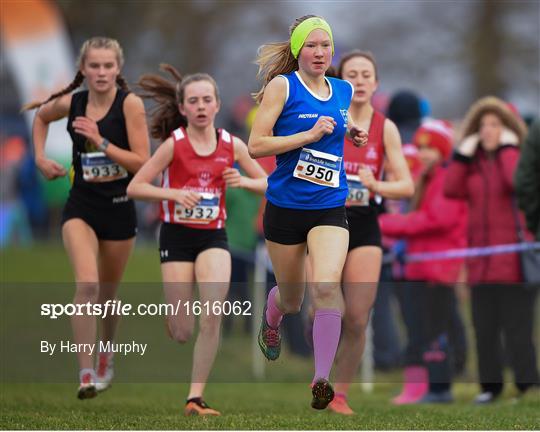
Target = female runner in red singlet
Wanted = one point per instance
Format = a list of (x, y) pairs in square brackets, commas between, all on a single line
[(196, 161), (364, 168)]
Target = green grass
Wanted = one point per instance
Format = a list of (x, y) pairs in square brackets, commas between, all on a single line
[(149, 391), (49, 263), (245, 406)]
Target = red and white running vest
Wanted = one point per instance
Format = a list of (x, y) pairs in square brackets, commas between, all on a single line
[(371, 155), (202, 174)]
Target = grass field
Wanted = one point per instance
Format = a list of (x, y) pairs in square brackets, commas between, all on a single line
[(245, 406), (137, 402)]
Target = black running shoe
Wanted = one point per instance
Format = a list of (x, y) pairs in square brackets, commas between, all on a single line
[(323, 394), (198, 407)]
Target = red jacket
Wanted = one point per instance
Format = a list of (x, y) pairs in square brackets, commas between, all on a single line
[(438, 224), (485, 182)]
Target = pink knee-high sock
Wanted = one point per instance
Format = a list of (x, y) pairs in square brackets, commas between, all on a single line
[(273, 314), (326, 332)]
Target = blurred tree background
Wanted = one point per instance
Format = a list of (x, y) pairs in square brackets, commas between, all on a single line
[(451, 52)]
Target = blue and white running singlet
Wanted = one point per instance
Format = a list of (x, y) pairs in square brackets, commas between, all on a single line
[(311, 177)]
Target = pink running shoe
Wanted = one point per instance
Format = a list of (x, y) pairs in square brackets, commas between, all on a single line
[(340, 406)]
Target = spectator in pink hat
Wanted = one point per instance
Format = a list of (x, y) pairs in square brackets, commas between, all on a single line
[(435, 223)]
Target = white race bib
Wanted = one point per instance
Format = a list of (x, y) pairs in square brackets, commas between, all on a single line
[(358, 193), (318, 167), (206, 211), (98, 168)]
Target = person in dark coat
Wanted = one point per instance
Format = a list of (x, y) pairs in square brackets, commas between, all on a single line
[(527, 179), (481, 173)]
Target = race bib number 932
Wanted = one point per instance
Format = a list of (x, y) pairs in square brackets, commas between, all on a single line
[(206, 211)]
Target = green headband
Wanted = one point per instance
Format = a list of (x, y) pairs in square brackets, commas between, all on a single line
[(302, 31)]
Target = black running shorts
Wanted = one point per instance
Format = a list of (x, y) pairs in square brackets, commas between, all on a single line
[(363, 227), (291, 226), (109, 222), (180, 243)]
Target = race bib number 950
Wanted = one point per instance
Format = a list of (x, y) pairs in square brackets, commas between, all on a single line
[(98, 168), (318, 167), (206, 211)]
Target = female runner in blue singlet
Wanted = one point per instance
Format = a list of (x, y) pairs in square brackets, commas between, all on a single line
[(303, 119)]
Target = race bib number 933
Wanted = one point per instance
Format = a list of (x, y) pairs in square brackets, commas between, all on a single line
[(98, 168)]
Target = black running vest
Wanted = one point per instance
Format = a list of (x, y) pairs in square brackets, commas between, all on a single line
[(98, 180)]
